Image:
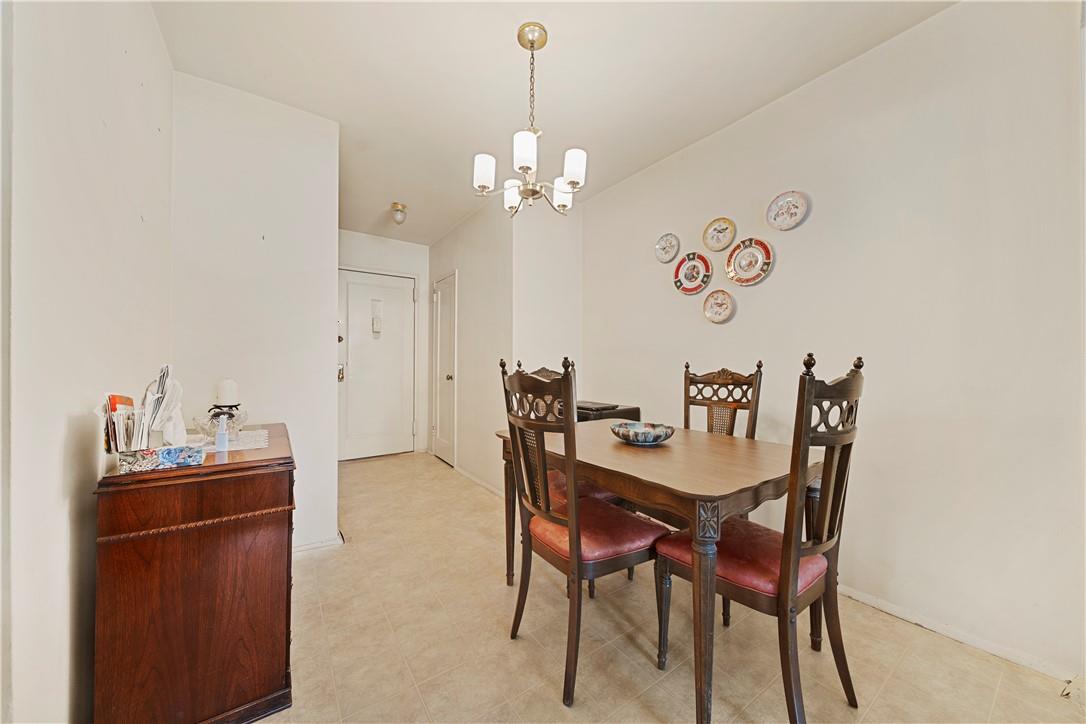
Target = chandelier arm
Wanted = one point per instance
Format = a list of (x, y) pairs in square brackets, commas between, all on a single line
[(551, 203), (516, 210)]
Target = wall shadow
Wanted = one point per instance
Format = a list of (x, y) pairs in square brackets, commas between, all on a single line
[(82, 446)]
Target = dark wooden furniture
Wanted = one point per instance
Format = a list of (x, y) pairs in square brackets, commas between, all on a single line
[(558, 484), (777, 574), (192, 611), (701, 478), (723, 394), (584, 538), (618, 412)]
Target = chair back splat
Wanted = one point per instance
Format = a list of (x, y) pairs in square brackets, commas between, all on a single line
[(826, 414), (535, 403), (723, 393)]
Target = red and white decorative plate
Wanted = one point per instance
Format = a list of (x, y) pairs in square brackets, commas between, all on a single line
[(693, 272), (749, 261), (719, 306)]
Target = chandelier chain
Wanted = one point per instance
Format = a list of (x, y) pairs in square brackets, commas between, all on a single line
[(531, 91)]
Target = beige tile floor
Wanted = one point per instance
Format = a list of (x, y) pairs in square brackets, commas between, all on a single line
[(409, 622)]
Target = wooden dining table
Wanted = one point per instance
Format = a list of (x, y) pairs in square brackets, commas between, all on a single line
[(698, 477)]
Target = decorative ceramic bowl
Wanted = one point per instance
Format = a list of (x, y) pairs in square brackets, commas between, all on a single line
[(645, 434)]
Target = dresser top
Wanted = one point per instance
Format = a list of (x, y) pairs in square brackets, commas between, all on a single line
[(276, 454)]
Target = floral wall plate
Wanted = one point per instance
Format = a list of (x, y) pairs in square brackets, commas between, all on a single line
[(719, 306), (749, 261), (667, 246), (692, 273), (718, 234), (787, 211)]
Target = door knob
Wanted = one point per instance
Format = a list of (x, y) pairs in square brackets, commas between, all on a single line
[(448, 377), (339, 373)]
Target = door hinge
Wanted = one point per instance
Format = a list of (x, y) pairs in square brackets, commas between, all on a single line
[(414, 294)]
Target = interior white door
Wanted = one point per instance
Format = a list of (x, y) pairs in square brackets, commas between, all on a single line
[(445, 369), (377, 364)]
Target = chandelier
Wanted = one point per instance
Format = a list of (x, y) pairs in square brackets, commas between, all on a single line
[(532, 36)]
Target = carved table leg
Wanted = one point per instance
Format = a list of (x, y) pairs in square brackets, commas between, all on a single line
[(706, 533), (510, 514)]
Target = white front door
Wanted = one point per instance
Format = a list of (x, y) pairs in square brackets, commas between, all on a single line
[(377, 364), (445, 369)]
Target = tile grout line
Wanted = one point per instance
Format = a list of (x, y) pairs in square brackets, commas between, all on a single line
[(890, 675), (995, 694), (332, 666), (403, 659)]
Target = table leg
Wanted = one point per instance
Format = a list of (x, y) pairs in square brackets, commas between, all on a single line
[(705, 537), (510, 515)]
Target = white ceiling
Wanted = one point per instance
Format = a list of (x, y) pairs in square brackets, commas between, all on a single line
[(419, 88)]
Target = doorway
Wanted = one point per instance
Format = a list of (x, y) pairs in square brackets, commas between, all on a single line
[(376, 348), (444, 366)]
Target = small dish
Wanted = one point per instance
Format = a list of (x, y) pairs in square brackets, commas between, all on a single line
[(667, 246), (642, 434), (719, 234), (719, 306), (787, 210)]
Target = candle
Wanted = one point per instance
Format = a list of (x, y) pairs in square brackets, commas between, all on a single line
[(227, 393)]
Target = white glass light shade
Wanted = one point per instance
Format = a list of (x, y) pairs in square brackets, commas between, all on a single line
[(483, 178), (524, 152), (512, 194), (575, 166), (563, 195)]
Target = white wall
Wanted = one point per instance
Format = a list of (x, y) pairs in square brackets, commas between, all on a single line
[(480, 249), (944, 245), (90, 218), (366, 252), (255, 233), (547, 287)]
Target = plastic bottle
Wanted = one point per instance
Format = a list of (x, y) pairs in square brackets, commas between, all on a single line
[(222, 436)]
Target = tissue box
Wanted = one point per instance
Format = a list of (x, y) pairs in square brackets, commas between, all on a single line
[(159, 458)]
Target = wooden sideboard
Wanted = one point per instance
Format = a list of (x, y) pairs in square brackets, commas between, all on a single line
[(192, 611)]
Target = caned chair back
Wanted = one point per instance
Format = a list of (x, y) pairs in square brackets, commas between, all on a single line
[(723, 393), (535, 404), (826, 414)]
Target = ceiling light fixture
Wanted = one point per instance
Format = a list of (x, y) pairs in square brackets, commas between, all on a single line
[(399, 212), (532, 36)]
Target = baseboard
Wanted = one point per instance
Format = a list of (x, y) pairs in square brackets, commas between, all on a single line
[(485, 486), (1003, 652), (315, 545)]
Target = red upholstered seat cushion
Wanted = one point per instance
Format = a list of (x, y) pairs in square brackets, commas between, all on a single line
[(747, 555), (556, 481), (606, 531)]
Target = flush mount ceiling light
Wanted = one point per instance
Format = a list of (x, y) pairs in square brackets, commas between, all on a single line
[(532, 36), (399, 212)]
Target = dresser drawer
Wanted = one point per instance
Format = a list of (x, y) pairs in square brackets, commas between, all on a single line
[(148, 510)]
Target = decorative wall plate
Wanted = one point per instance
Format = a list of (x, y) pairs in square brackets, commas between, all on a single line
[(787, 211), (667, 246), (718, 234), (749, 261), (692, 273), (719, 306)]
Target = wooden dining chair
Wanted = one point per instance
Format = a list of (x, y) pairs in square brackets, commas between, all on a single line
[(584, 538), (723, 393), (781, 574)]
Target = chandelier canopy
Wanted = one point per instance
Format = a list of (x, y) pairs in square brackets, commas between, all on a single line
[(515, 192)]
